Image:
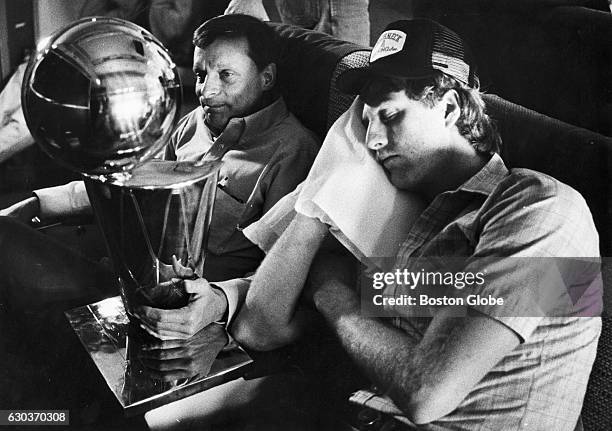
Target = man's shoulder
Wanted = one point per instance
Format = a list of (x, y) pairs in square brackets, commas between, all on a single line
[(298, 139), (543, 214), (297, 135), (532, 186)]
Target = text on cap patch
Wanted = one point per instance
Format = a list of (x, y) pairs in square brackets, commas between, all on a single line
[(389, 42)]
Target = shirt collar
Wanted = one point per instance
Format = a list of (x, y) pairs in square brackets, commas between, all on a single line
[(485, 180), (257, 122)]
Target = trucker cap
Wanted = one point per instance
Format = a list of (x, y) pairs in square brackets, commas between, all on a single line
[(414, 49)]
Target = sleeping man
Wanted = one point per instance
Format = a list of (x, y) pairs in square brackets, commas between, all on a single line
[(425, 124)]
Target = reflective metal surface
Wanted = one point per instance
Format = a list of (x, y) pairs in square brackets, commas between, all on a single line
[(163, 209), (144, 372), (101, 95)]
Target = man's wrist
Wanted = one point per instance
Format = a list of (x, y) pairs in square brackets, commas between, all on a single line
[(222, 314)]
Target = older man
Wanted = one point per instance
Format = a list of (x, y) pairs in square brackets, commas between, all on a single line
[(514, 369), (242, 120)]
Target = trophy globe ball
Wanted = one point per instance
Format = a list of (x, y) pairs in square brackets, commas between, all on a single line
[(101, 96)]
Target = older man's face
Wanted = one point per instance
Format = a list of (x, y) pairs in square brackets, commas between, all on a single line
[(409, 138), (228, 84)]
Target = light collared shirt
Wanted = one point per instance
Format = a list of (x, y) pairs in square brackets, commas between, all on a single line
[(265, 156)]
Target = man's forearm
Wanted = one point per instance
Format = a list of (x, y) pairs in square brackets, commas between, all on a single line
[(429, 377), (426, 378), (269, 311), (385, 354), (65, 200), (391, 360)]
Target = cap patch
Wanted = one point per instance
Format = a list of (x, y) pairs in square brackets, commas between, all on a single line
[(389, 42)]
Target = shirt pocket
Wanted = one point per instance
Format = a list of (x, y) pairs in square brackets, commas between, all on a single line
[(227, 215)]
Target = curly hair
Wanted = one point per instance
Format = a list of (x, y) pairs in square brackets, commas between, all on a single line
[(474, 123)]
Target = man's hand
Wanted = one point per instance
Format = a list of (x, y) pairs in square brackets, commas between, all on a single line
[(181, 359), (207, 304), (24, 210)]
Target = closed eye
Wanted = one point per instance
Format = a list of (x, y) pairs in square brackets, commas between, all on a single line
[(390, 117)]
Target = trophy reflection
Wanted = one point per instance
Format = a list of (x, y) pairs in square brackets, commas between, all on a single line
[(102, 96), (154, 367)]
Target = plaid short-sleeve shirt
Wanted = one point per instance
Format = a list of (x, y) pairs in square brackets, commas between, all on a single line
[(525, 214)]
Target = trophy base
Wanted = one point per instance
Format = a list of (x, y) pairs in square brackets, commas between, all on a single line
[(115, 346)]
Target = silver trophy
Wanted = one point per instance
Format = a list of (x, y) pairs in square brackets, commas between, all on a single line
[(102, 96)]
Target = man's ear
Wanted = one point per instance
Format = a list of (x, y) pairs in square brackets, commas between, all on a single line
[(268, 75), (450, 103)]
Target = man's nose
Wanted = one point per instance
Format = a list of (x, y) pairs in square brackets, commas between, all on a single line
[(210, 87), (376, 137)]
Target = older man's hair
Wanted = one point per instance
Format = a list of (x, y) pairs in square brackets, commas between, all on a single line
[(262, 40), (474, 124)]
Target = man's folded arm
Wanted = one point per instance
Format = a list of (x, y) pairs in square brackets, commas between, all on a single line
[(427, 379), (269, 317)]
